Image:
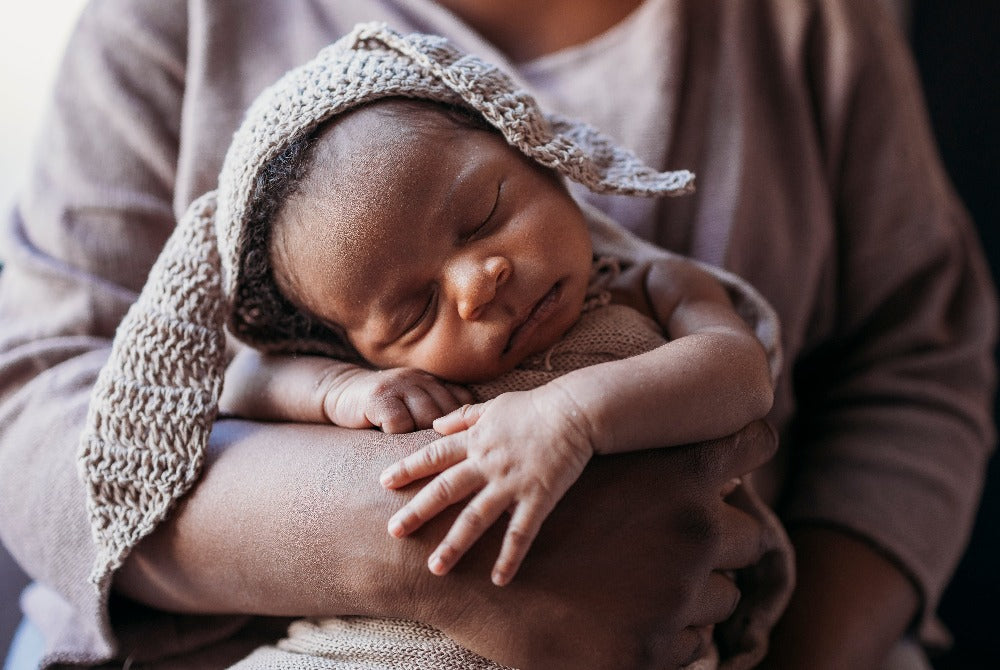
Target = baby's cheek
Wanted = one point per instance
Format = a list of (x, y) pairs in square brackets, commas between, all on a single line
[(461, 363)]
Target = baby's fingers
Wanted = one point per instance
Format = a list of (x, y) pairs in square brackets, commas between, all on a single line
[(521, 532), (391, 414), (470, 525), (424, 403), (429, 460), (462, 395), (448, 488), (463, 418), (446, 397)]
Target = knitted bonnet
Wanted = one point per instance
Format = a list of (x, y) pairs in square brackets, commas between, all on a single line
[(155, 400)]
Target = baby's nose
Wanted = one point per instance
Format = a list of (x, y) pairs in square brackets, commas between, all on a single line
[(478, 285)]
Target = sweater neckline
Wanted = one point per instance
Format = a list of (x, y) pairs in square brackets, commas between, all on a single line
[(609, 39)]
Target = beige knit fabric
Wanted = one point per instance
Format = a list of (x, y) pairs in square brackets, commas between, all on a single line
[(359, 643), (362, 643), (152, 408)]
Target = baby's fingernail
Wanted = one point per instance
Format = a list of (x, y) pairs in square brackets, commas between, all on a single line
[(437, 565), (386, 479), (500, 579), (396, 528)]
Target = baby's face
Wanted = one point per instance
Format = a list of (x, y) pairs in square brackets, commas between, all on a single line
[(440, 248)]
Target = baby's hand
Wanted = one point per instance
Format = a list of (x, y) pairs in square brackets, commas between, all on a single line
[(319, 389), (520, 452), (397, 401)]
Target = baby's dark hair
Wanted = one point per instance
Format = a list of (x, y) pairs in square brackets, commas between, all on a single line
[(264, 316)]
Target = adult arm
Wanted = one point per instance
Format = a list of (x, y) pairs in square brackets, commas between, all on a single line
[(850, 607), (309, 538), (78, 246), (894, 424)]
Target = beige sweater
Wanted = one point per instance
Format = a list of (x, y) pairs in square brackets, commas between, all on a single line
[(818, 182)]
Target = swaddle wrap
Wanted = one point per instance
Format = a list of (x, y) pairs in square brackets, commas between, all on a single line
[(155, 400)]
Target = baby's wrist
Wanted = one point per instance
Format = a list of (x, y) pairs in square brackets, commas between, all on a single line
[(579, 424), (340, 383)]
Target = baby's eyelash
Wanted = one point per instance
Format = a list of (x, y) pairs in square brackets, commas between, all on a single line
[(489, 217), (428, 308)]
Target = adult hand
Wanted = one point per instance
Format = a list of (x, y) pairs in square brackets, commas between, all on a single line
[(627, 572)]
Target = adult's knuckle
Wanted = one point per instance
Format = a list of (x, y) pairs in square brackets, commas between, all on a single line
[(736, 595), (695, 644)]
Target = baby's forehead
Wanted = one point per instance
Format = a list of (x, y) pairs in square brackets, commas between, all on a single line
[(365, 167), (383, 151), (395, 122)]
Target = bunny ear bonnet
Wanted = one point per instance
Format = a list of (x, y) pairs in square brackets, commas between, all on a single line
[(155, 400)]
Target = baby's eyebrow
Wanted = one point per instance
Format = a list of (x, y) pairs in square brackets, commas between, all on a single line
[(453, 193)]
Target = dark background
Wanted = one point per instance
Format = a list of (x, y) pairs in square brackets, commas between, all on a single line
[(956, 46)]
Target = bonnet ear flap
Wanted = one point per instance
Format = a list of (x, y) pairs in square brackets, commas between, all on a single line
[(152, 409), (589, 157)]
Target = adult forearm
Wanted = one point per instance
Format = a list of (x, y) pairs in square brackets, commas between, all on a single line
[(850, 605), (288, 519)]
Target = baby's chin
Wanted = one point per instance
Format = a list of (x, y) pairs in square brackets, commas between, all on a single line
[(485, 372), (482, 373), (509, 360), (539, 348)]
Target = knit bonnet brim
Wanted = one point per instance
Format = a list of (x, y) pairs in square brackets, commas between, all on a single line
[(154, 403), (373, 63)]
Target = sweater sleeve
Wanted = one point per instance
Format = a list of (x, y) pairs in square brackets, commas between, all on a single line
[(894, 425), (95, 212)]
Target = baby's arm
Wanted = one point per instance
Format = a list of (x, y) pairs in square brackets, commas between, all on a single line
[(285, 388), (709, 380), (522, 451)]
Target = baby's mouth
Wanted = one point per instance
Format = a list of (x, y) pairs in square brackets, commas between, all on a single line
[(538, 314)]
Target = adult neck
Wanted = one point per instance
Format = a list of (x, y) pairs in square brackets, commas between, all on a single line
[(527, 29)]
